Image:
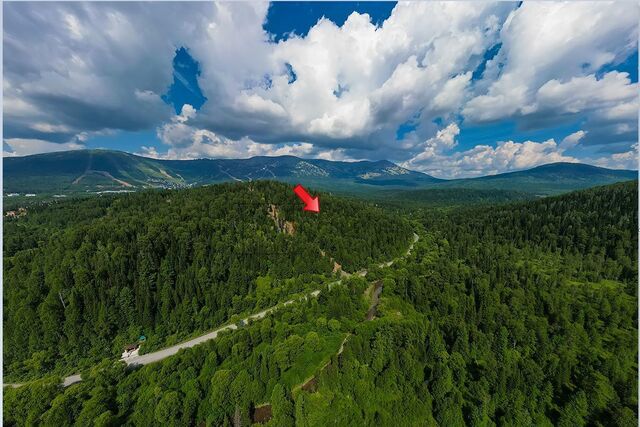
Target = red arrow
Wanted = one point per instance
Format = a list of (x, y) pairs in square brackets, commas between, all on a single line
[(311, 204)]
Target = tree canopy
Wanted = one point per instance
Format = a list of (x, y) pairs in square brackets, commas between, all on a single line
[(519, 314)]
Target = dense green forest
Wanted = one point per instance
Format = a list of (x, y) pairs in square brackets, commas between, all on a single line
[(83, 278), (410, 200), (520, 314)]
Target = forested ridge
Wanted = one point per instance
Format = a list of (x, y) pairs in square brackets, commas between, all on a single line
[(83, 278), (512, 315), (593, 231), (532, 311)]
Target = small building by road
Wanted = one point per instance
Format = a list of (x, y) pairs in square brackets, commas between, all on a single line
[(130, 350)]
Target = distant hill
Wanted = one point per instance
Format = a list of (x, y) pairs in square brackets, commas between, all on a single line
[(89, 171), (551, 178), (102, 170)]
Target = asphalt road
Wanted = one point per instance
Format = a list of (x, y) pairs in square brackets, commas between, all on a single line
[(156, 356), (145, 359)]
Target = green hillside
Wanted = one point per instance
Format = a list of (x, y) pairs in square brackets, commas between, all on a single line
[(517, 314), (552, 178), (86, 172), (83, 277), (444, 197), (80, 171)]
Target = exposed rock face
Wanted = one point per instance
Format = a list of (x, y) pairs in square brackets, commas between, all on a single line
[(311, 386), (390, 171), (307, 169), (289, 228), (336, 267), (283, 226)]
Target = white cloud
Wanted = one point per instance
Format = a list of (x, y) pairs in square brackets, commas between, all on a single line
[(355, 84), (624, 160), (49, 128), (584, 93), (570, 141), (433, 148), (258, 106), (546, 69), (207, 144), (25, 147), (437, 159), (187, 112), (453, 93), (106, 69), (189, 142), (149, 152)]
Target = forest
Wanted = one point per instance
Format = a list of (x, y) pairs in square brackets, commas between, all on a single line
[(515, 314), (84, 278)]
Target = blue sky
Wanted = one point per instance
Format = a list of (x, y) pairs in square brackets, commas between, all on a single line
[(455, 89), (285, 18)]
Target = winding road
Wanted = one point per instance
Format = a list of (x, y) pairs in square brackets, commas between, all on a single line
[(156, 356)]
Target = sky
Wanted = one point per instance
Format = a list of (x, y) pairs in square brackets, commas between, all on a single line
[(456, 89)]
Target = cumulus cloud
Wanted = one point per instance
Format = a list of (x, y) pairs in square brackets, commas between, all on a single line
[(433, 148), (365, 81), (624, 160), (188, 142), (353, 82), (547, 73), (437, 159), (354, 85), (24, 147), (206, 144), (111, 62), (572, 140)]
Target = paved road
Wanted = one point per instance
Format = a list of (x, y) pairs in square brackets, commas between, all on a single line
[(364, 271), (71, 380), (145, 359), (156, 356)]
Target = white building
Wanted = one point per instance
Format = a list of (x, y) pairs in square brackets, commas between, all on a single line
[(130, 351)]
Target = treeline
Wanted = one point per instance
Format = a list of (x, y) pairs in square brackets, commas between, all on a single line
[(82, 278), (410, 200), (514, 346), (493, 322)]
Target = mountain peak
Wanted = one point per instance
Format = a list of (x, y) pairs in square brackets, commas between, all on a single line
[(107, 170)]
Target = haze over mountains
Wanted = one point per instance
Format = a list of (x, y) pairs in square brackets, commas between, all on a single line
[(102, 170)]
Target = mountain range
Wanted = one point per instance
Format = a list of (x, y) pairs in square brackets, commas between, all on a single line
[(84, 171)]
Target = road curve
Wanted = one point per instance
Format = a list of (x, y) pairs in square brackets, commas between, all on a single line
[(156, 356)]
